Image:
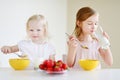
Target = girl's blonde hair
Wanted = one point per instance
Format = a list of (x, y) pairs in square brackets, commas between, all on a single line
[(42, 20), (82, 14)]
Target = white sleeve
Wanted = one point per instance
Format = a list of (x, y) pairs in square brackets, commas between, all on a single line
[(21, 46)]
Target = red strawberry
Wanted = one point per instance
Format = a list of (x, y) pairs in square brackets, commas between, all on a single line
[(59, 63), (41, 66), (49, 69), (57, 68), (64, 66), (45, 62), (50, 63)]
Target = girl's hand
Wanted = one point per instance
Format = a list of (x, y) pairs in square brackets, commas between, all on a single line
[(106, 35), (72, 43), (72, 49), (6, 49)]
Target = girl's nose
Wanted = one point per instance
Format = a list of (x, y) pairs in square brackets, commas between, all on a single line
[(34, 33), (93, 26)]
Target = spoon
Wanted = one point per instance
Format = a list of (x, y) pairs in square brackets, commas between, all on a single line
[(85, 47), (22, 56)]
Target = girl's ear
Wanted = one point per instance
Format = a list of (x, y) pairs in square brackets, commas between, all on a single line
[(78, 23)]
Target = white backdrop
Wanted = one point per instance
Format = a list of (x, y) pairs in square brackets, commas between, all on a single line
[(13, 17)]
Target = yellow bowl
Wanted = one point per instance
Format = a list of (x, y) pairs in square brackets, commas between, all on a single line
[(88, 64), (19, 63)]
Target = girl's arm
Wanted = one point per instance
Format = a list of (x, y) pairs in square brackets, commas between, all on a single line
[(71, 57), (72, 47), (107, 56), (9, 49), (106, 53)]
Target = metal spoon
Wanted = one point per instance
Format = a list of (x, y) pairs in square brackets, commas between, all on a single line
[(85, 47), (22, 56)]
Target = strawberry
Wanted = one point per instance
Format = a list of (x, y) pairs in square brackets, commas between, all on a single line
[(50, 69), (64, 66), (57, 68), (45, 62), (58, 64), (50, 65), (41, 66)]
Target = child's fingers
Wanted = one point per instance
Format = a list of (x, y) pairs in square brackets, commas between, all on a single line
[(6, 50), (73, 42), (106, 35), (3, 50), (71, 37)]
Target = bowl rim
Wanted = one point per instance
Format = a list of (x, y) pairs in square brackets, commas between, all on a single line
[(88, 59), (19, 59)]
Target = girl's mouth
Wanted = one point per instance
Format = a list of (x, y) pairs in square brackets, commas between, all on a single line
[(92, 31), (35, 36)]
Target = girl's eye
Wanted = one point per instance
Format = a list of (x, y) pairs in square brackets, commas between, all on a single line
[(92, 23), (96, 23), (89, 23), (31, 30), (38, 30)]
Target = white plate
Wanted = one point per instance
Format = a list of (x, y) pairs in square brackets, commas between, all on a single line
[(56, 72)]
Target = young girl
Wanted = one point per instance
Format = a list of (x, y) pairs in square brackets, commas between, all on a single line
[(86, 24), (37, 46)]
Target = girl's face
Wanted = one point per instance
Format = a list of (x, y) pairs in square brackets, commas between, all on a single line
[(36, 31), (90, 25)]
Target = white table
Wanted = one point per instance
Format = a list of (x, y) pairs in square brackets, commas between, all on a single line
[(104, 74)]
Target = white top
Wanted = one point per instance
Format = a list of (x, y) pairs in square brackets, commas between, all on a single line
[(90, 53), (36, 52)]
